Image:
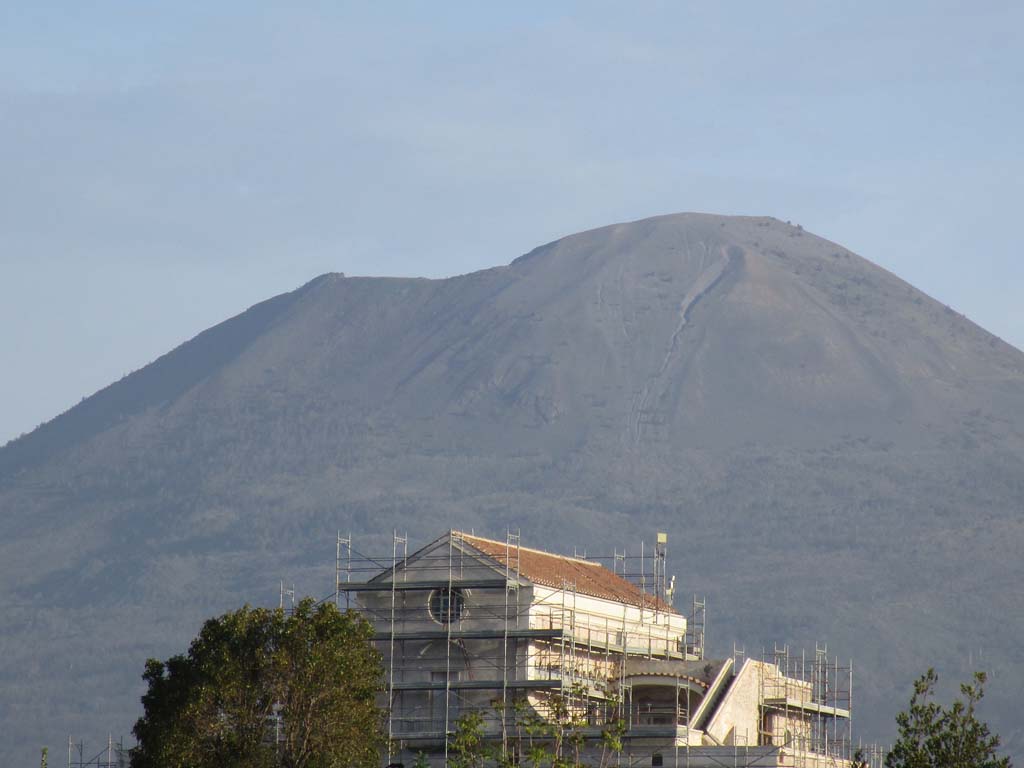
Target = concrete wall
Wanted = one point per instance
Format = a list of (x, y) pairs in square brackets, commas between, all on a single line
[(738, 716), (643, 630), (483, 608), (434, 660)]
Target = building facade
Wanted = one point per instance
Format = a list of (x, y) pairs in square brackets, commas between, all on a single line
[(563, 653)]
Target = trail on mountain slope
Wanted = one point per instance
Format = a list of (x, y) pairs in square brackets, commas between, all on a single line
[(709, 277)]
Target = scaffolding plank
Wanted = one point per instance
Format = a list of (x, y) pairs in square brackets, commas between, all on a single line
[(440, 685), (406, 586), (807, 706), (475, 634)]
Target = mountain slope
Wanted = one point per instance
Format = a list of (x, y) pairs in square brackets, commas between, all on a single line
[(834, 454)]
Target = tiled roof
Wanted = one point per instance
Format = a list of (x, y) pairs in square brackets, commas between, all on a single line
[(558, 571)]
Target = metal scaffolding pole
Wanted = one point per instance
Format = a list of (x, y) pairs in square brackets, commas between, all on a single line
[(448, 648)]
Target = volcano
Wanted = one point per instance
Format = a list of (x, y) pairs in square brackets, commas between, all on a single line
[(835, 456)]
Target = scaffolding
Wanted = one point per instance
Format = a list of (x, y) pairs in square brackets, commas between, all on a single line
[(459, 636), (113, 755), (806, 706), (514, 652), (696, 627), (872, 754)]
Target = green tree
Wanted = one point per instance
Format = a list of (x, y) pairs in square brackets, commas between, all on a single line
[(557, 738), (467, 748), (932, 736), (611, 740), (263, 689)]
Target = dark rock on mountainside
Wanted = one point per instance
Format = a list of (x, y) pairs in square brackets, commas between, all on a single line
[(835, 456)]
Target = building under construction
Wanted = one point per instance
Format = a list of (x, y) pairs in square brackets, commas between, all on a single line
[(567, 654)]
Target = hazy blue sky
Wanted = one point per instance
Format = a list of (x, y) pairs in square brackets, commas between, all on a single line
[(165, 165)]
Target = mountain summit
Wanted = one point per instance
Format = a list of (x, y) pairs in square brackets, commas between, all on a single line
[(835, 456)]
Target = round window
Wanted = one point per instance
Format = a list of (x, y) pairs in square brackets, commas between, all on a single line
[(446, 605)]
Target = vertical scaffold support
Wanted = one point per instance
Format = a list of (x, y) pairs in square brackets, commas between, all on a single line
[(643, 581), (289, 593), (399, 544), (342, 567), (448, 649), (660, 577), (696, 628), (511, 585)]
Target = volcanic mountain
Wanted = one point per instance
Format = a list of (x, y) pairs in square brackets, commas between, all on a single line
[(835, 456)]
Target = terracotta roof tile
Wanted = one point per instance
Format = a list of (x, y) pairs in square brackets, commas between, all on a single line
[(557, 571)]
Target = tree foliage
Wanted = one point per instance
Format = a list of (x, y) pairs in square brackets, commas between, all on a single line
[(933, 736), (467, 748), (260, 688), (554, 739)]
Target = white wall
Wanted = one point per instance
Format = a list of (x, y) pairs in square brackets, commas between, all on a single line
[(738, 716)]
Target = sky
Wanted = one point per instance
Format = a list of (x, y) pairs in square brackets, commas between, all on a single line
[(164, 166)]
